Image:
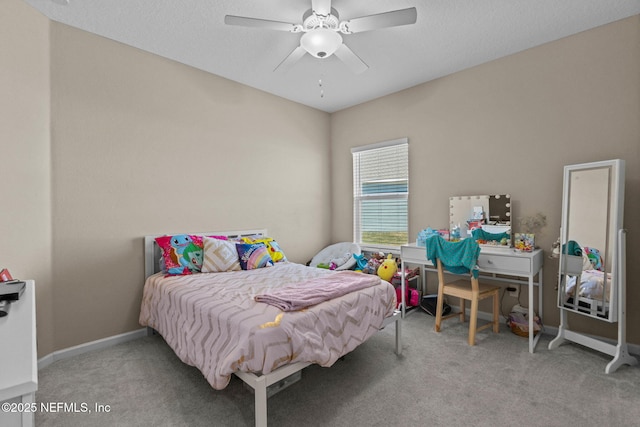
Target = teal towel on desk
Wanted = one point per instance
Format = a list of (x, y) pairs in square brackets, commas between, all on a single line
[(457, 257), (480, 234)]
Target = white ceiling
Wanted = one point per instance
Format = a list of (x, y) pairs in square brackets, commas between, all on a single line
[(449, 36)]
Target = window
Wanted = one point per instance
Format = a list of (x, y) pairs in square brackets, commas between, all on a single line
[(381, 193)]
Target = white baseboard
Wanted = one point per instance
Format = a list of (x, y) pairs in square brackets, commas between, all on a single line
[(90, 346), (552, 331)]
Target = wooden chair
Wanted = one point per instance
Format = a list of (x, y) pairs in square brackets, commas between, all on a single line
[(467, 289)]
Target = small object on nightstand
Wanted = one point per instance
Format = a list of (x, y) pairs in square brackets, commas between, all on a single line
[(5, 276), (11, 291)]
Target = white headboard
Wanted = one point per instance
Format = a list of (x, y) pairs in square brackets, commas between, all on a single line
[(152, 251)]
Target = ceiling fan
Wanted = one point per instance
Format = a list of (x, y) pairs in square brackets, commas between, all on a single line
[(321, 28)]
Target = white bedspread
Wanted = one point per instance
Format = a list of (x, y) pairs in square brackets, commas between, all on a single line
[(212, 321)]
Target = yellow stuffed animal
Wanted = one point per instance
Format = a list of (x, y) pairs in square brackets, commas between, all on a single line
[(388, 268)]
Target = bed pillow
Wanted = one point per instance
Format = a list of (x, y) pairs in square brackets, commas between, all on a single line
[(220, 255), (277, 255), (182, 253), (253, 256)]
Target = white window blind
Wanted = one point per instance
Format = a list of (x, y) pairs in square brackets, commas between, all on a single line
[(381, 193)]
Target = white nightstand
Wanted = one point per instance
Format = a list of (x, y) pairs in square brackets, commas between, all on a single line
[(18, 361)]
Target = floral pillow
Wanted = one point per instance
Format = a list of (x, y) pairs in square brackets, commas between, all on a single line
[(272, 246), (219, 255), (253, 256), (182, 253)]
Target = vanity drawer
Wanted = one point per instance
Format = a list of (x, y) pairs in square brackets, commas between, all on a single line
[(504, 263), (410, 253)]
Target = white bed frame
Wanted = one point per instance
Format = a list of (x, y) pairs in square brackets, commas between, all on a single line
[(257, 381)]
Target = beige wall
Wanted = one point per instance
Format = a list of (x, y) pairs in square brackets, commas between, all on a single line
[(144, 145), (25, 214), (509, 126)]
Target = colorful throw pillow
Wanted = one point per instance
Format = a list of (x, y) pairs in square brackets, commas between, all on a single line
[(182, 253), (253, 256), (219, 255), (272, 246)]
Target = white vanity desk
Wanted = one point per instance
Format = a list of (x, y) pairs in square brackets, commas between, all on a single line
[(492, 262)]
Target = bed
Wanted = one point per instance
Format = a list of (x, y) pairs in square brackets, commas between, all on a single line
[(234, 322)]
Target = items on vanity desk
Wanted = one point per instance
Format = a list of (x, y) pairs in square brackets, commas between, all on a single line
[(530, 226), (521, 267), (452, 235)]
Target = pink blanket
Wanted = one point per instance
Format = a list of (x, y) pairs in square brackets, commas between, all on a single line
[(315, 291)]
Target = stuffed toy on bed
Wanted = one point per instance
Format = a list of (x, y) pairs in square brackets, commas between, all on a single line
[(339, 261), (336, 257), (361, 262)]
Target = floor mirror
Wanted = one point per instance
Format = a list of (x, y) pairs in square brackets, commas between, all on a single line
[(591, 274)]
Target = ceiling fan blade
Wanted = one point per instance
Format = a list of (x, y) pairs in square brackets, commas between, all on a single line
[(382, 20), (258, 23), (352, 60), (293, 57), (321, 7)]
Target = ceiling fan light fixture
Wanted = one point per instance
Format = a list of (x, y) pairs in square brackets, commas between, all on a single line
[(321, 42)]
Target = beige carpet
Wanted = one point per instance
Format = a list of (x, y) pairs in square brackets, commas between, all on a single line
[(439, 381)]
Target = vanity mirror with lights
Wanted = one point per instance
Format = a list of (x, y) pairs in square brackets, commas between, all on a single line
[(591, 273), (491, 213)]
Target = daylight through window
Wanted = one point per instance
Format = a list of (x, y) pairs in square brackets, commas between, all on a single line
[(381, 193)]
